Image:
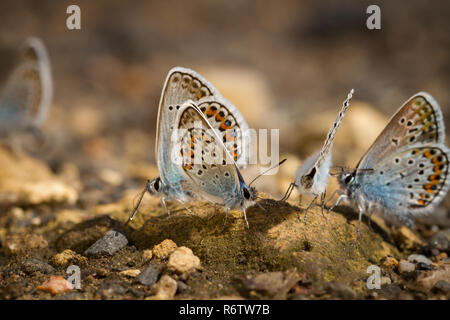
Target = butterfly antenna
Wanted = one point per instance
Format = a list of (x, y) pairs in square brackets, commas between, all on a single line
[(136, 207), (288, 191), (263, 173)]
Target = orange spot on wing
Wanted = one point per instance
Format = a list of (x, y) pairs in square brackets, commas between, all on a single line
[(210, 112), (427, 154), (225, 127), (435, 160)]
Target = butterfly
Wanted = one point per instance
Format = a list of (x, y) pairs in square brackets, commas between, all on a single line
[(27, 94), (312, 177), (404, 173), (206, 160), (184, 84)]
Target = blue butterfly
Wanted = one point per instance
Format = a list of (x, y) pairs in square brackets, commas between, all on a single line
[(27, 94), (184, 84), (404, 173)]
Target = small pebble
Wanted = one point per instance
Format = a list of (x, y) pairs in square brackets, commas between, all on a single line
[(442, 286), (341, 290), (418, 258), (423, 266), (33, 265), (56, 285), (101, 272), (66, 258), (441, 256), (406, 266), (183, 261), (147, 255), (132, 273), (110, 289), (441, 240), (165, 288), (428, 279), (164, 249), (112, 242), (181, 287), (148, 276), (270, 284), (389, 262), (385, 280)]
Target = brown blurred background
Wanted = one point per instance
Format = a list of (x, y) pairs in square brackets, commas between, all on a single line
[(281, 62)]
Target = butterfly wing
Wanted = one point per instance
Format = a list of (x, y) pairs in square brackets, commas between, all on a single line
[(229, 124), (206, 160), (27, 95), (328, 144), (411, 181), (184, 84), (318, 165), (419, 120), (181, 84)]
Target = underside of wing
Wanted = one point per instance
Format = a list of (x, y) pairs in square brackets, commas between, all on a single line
[(204, 157), (419, 120), (229, 124), (28, 92), (328, 144), (181, 84), (414, 179)]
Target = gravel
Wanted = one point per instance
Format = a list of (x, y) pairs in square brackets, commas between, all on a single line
[(112, 242)]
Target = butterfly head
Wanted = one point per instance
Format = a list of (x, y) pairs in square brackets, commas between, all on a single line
[(155, 186), (249, 195), (346, 179)]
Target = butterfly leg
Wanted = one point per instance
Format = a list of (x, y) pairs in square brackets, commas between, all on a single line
[(133, 213), (307, 208), (288, 191), (164, 205), (332, 196), (322, 199), (245, 217), (183, 204), (226, 216), (359, 221), (341, 197)]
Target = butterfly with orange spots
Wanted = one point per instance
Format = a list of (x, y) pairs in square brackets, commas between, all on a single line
[(181, 85), (405, 173)]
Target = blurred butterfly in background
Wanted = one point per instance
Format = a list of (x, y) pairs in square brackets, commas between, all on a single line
[(312, 177), (184, 84), (27, 94), (404, 173), (211, 167)]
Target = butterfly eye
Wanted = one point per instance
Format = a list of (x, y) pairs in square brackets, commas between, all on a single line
[(157, 184), (246, 193), (348, 179)]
